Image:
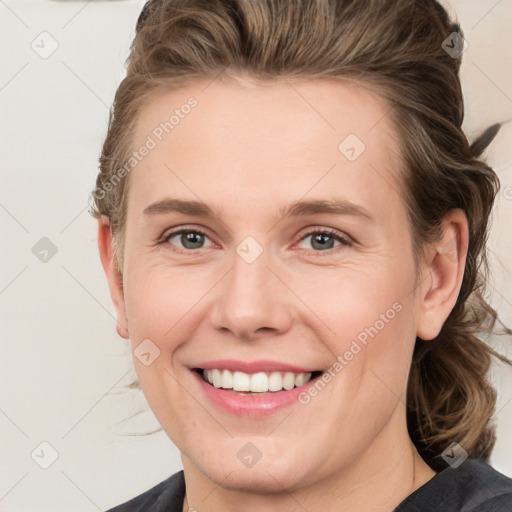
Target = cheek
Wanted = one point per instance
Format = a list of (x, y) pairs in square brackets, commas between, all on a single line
[(160, 307), (373, 355), (158, 299), (376, 360), (359, 302), (369, 330)]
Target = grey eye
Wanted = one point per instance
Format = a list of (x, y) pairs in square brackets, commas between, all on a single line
[(188, 239), (321, 241)]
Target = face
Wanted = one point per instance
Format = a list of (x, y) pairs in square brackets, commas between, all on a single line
[(267, 242)]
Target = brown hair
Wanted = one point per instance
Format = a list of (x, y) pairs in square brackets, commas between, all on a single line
[(398, 48)]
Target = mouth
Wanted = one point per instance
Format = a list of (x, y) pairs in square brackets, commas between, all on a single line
[(255, 384)]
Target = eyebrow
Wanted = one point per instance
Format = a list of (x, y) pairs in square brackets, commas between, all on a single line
[(336, 206), (170, 205), (298, 208)]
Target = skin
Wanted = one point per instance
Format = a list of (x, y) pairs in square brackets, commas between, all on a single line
[(249, 149)]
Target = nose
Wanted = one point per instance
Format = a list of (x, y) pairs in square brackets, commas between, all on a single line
[(252, 302)]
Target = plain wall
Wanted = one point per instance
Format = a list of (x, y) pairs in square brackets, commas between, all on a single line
[(62, 363)]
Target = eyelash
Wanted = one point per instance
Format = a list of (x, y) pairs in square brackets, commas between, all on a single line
[(343, 239)]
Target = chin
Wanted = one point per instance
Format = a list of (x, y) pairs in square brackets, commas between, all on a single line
[(256, 481), (264, 477)]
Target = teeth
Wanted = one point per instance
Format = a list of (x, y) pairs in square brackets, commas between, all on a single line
[(301, 379), (241, 381), (227, 379), (289, 380), (259, 383), (216, 378), (275, 381), (256, 382)]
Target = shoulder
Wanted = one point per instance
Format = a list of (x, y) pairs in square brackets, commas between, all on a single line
[(474, 486), (166, 496), (502, 503)]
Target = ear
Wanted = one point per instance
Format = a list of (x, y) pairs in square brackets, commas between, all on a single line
[(444, 272), (114, 276)]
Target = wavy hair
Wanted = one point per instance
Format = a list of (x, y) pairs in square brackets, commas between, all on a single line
[(400, 49)]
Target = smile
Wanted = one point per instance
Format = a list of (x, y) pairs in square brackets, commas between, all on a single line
[(252, 389), (260, 382)]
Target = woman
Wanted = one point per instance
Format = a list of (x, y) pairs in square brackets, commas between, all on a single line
[(292, 224)]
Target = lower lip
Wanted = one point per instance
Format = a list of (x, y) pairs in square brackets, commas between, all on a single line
[(250, 406)]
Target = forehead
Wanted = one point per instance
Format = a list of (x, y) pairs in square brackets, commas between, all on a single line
[(268, 141)]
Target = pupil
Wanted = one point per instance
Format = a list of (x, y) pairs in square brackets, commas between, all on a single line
[(324, 241), (192, 240)]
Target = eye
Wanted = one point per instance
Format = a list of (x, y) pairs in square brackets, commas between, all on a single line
[(321, 240), (188, 238), (324, 240)]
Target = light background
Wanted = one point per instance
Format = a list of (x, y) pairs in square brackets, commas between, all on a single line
[(62, 364)]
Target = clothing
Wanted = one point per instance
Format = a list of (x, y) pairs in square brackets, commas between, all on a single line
[(473, 487)]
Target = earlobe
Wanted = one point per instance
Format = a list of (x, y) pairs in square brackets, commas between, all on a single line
[(442, 277), (114, 276)]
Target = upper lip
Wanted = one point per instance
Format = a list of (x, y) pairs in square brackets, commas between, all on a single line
[(252, 366)]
